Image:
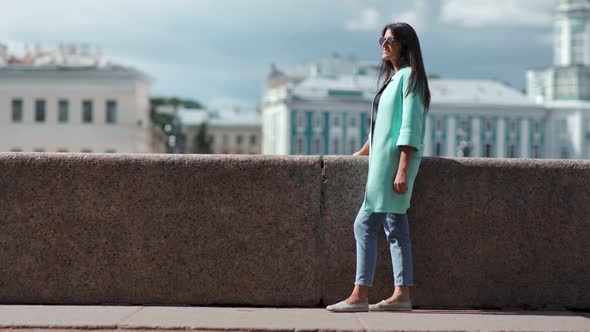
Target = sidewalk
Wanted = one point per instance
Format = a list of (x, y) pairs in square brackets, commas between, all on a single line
[(277, 319)]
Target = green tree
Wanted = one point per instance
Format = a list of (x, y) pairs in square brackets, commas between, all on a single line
[(176, 102), (161, 120), (201, 142)]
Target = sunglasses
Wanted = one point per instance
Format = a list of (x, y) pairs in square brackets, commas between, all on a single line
[(389, 40)]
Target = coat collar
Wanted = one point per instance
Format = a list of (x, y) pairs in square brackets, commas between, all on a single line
[(390, 79), (385, 84)]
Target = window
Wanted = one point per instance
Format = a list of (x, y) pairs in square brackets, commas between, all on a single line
[(239, 139), (488, 125), (336, 146), (536, 151), (352, 121), (577, 40), (464, 125), (299, 145), (537, 127), (317, 120), (564, 153), (488, 150), (16, 150), (86, 151), (87, 111), (17, 110), (438, 124), (336, 121), (317, 147), (352, 146), (111, 111), (299, 119), (466, 151), (62, 111), (513, 124), (512, 151), (225, 139), (252, 139), (40, 110), (38, 150), (566, 84), (438, 150)]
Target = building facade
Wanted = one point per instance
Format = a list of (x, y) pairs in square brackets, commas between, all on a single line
[(71, 101), (564, 88), (230, 132), (327, 111), (330, 115)]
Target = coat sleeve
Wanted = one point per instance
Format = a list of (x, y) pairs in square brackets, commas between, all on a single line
[(412, 118)]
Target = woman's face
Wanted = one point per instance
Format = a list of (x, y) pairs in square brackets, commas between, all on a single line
[(390, 52)]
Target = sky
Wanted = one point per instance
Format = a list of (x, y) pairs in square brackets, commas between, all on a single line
[(219, 51)]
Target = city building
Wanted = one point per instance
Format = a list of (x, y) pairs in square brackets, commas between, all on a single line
[(330, 115), (323, 107), (564, 88), (72, 100), (228, 132)]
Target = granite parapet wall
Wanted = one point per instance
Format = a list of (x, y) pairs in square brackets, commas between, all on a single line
[(277, 231), (159, 229), (486, 233)]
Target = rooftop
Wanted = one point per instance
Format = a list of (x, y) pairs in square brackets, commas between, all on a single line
[(194, 117), (443, 91), (68, 60), (37, 71)]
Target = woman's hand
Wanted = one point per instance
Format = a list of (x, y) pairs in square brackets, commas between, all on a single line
[(400, 183), (358, 153)]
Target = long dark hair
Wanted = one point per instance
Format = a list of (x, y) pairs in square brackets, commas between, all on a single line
[(411, 55)]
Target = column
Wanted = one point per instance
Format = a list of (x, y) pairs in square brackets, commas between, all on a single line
[(428, 138), (451, 136), (501, 138), (476, 136), (524, 138)]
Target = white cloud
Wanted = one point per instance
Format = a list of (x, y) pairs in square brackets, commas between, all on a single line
[(418, 17), (409, 17), (367, 21), (479, 13)]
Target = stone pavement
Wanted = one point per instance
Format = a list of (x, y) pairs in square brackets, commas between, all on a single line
[(72, 318)]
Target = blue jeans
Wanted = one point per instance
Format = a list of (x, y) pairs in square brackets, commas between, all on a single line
[(397, 232)]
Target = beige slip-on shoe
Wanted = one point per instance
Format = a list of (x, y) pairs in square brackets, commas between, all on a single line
[(342, 306), (396, 306)]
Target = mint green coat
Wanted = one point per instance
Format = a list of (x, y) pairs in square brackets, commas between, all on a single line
[(400, 121)]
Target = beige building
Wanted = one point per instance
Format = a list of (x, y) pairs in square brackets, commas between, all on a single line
[(71, 101), (232, 132)]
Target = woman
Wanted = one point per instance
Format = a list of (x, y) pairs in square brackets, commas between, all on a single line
[(395, 151)]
